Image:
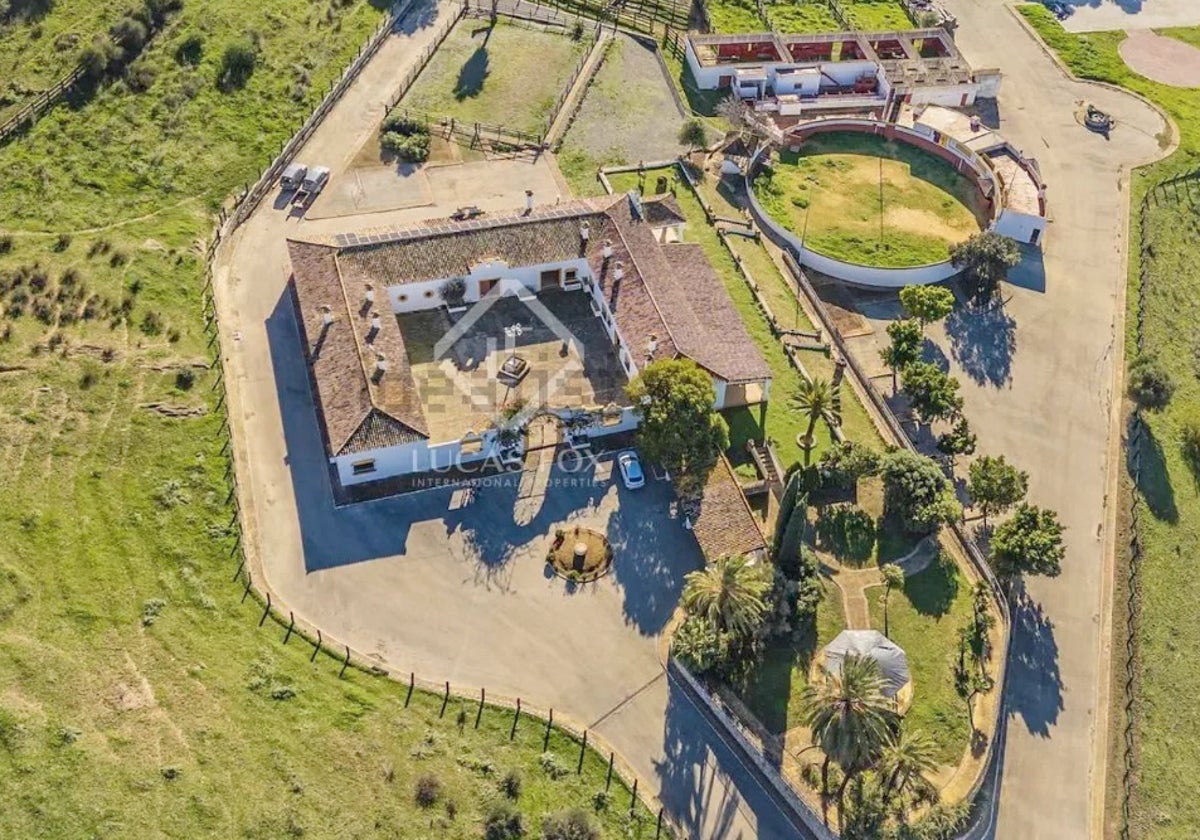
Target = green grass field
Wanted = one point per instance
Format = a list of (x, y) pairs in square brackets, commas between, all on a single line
[(829, 193), (790, 17), (924, 618), (876, 15), (37, 50), (1163, 804), (138, 697), (503, 75), (734, 16)]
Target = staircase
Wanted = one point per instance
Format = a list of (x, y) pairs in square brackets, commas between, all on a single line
[(768, 465)]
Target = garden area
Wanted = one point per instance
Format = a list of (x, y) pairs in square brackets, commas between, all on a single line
[(1167, 753), (499, 73), (862, 199), (148, 697)]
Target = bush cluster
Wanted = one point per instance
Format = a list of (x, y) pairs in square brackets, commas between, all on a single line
[(406, 139)]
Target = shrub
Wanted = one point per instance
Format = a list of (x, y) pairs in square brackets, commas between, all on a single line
[(549, 763), (190, 50), (140, 76), (93, 59), (237, 65), (130, 34), (6, 243), (844, 464), (185, 379), (574, 824), (152, 323), (427, 791), (510, 785), (151, 610), (503, 822), (63, 242), (412, 148), (1150, 383)]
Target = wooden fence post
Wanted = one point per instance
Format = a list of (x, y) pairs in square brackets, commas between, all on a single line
[(512, 733), (633, 797), (247, 590), (412, 683), (482, 698), (546, 737), (608, 780), (582, 752), (445, 699), (291, 626), (316, 648), (345, 664), (266, 610)]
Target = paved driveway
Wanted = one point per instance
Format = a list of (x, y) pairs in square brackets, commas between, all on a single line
[(451, 591), (1098, 15), (1037, 381)]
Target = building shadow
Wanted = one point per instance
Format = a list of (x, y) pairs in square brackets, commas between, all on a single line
[(418, 17), (1034, 683), (983, 341), (1030, 272)]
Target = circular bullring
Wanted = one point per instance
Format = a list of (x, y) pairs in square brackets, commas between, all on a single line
[(829, 185)]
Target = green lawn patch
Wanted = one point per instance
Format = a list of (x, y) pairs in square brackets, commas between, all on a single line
[(503, 74), (876, 15), (806, 16), (734, 16), (773, 690), (1162, 804), (829, 193), (137, 693), (924, 618)]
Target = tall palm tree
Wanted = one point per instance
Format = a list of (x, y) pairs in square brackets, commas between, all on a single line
[(907, 756), (850, 718), (815, 398), (730, 592), (893, 578)]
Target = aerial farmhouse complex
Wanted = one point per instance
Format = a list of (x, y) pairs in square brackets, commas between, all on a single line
[(568, 303)]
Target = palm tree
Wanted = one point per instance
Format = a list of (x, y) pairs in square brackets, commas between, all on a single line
[(849, 717), (893, 577), (730, 592), (908, 755), (816, 399)]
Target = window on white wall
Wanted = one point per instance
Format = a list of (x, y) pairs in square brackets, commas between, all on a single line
[(363, 467)]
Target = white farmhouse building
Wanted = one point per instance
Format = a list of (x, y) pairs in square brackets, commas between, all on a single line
[(617, 266)]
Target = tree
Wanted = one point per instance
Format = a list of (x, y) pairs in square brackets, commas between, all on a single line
[(932, 393), (787, 504), (787, 553), (679, 429), (995, 485), (984, 260), (908, 755), (573, 824), (730, 592), (893, 578), (1029, 543), (815, 399), (130, 34), (960, 440), (693, 135), (1150, 383), (849, 717), (905, 347), (237, 65), (927, 304), (843, 464), (94, 58), (916, 491), (700, 645)]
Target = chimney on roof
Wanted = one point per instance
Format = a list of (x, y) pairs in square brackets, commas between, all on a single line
[(584, 232), (607, 252), (326, 316), (370, 293), (528, 202), (619, 271), (651, 345), (381, 364), (376, 322)]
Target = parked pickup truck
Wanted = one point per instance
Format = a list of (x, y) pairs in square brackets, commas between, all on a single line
[(313, 183), (293, 176)]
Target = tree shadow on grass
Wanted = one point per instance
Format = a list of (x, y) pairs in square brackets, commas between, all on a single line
[(1146, 462), (475, 70), (932, 591), (983, 340), (1034, 679)]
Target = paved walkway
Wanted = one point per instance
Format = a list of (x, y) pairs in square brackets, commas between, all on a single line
[(1038, 385), (854, 583), (454, 587)]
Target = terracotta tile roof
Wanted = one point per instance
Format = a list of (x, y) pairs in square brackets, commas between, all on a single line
[(360, 410), (725, 524), (669, 298)]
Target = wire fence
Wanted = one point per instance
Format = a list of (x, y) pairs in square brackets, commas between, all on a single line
[(1181, 189)]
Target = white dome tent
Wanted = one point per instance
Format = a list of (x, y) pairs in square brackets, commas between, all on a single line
[(893, 662)]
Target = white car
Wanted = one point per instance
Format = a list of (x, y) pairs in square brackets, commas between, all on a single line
[(631, 470)]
